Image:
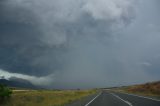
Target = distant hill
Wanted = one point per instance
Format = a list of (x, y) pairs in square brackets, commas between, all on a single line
[(150, 88), (18, 83)]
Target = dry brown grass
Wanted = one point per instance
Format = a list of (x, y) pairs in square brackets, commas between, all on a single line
[(148, 88), (46, 97)]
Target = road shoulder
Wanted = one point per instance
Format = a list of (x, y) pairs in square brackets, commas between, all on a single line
[(83, 101)]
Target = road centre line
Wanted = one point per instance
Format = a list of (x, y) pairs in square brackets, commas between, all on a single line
[(127, 102)]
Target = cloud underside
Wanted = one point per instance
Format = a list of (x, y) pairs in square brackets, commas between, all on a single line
[(78, 41)]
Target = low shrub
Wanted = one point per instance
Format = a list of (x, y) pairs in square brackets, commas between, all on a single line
[(5, 92)]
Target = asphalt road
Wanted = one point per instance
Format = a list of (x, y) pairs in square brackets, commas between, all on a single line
[(107, 98)]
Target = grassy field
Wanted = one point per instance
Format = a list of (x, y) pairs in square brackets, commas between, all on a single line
[(149, 89), (46, 97)]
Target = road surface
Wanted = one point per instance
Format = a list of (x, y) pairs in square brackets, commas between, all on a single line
[(107, 98)]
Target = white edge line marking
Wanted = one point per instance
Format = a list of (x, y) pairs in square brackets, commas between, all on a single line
[(141, 96), (93, 99), (130, 104)]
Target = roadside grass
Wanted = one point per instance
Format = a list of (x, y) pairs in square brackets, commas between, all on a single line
[(149, 89), (46, 97)]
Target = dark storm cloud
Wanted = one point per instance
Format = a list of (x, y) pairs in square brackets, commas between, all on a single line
[(79, 43), (28, 36), (21, 46)]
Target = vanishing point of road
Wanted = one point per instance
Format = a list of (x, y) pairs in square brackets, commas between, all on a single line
[(107, 98)]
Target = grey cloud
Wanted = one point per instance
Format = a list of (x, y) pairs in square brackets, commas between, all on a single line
[(83, 43)]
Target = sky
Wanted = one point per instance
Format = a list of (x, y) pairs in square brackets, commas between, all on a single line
[(69, 44)]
